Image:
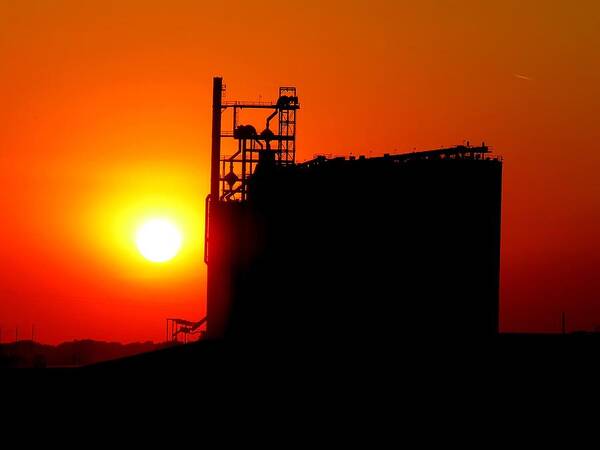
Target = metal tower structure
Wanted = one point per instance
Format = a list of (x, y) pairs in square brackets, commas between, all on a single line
[(286, 146), (273, 144)]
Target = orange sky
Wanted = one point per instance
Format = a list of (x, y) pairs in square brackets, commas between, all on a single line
[(105, 120)]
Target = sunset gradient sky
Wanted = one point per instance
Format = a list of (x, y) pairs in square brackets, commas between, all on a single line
[(105, 121)]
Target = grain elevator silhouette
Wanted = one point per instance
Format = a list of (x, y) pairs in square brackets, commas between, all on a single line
[(340, 249)]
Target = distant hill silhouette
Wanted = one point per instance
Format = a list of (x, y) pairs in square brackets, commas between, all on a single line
[(27, 354), (509, 348)]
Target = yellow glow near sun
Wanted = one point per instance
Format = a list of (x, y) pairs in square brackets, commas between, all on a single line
[(158, 240)]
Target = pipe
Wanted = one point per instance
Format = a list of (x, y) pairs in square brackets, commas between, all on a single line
[(216, 138)]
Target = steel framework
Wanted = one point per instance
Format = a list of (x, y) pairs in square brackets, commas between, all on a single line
[(253, 146)]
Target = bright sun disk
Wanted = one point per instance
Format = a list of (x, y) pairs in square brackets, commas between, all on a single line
[(158, 240)]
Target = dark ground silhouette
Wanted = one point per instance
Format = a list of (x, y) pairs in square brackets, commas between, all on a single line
[(508, 354)]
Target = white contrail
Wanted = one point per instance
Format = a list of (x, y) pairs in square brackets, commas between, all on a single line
[(522, 77)]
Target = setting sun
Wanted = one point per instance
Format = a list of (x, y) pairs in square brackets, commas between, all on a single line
[(158, 240)]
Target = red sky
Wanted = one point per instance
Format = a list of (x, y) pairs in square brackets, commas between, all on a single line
[(105, 121)]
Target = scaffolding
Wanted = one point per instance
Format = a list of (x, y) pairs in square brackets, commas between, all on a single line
[(253, 146)]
